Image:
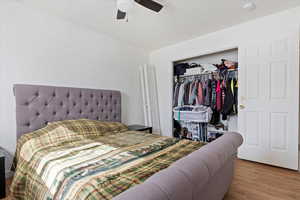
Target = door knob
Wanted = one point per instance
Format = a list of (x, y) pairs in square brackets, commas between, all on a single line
[(242, 106)]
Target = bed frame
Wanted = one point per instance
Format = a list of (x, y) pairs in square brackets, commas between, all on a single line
[(37, 105), (205, 174)]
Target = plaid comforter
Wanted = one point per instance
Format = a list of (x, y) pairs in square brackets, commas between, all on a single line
[(85, 159)]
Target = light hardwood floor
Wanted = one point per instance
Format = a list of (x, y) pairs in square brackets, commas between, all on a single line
[(253, 181)]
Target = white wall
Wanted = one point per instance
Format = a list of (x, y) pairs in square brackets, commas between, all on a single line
[(37, 48), (261, 29)]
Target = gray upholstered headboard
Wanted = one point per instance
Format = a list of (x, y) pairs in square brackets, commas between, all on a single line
[(37, 105)]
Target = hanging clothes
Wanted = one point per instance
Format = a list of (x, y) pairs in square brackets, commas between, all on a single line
[(217, 90), (199, 94), (175, 94), (181, 95), (193, 93), (228, 100), (186, 93), (223, 91), (207, 93), (235, 94), (213, 103), (218, 96), (190, 102)]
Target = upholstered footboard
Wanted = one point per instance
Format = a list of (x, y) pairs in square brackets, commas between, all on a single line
[(205, 174)]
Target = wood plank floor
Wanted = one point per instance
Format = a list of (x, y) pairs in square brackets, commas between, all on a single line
[(253, 181)]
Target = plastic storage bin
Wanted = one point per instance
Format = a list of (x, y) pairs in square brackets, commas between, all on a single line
[(200, 114)]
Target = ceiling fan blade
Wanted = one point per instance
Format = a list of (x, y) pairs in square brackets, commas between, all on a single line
[(152, 5), (121, 15)]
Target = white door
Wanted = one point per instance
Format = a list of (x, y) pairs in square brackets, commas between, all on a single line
[(269, 101)]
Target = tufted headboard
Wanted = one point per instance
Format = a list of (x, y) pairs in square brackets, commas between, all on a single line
[(37, 105)]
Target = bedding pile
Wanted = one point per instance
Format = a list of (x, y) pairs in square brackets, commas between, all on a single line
[(87, 159)]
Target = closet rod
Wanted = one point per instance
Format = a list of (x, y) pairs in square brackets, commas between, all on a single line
[(203, 74)]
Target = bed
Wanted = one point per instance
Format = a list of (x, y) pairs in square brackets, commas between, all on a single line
[(72, 145)]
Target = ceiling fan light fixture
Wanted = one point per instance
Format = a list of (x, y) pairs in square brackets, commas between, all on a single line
[(249, 5), (125, 5)]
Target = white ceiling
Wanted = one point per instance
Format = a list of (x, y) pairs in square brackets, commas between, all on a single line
[(179, 20)]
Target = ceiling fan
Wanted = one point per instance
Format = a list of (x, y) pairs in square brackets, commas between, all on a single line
[(125, 5)]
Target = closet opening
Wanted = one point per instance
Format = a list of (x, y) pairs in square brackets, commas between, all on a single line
[(205, 96)]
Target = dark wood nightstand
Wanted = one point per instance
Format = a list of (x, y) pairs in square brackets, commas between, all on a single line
[(2, 176), (136, 127)]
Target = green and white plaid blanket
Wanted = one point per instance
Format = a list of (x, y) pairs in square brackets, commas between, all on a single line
[(85, 159)]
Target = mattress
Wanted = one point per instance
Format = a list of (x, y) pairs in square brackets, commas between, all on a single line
[(87, 159)]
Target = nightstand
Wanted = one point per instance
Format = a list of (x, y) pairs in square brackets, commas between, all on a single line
[(2, 176), (136, 127)]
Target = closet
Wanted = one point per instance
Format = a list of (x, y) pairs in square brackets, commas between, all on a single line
[(268, 99), (205, 96)]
